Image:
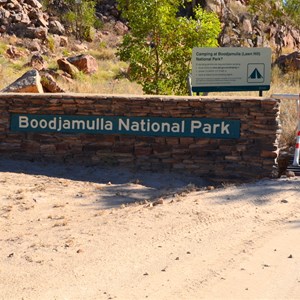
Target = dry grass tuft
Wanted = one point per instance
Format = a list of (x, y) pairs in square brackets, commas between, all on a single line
[(288, 117)]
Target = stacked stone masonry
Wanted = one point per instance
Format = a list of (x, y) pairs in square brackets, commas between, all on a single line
[(251, 156)]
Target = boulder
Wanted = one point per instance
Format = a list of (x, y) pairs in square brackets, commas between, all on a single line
[(37, 62), (14, 52), (121, 28), (38, 19), (67, 67), (34, 3), (15, 5), (24, 19), (55, 27), (36, 32), (49, 84), (63, 41), (80, 47), (216, 6), (34, 45), (247, 26), (289, 62), (4, 15), (84, 62), (30, 82)]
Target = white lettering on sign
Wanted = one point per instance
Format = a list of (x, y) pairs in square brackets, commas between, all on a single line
[(195, 125), (23, 122), (225, 128), (57, 124), (145, 126), (207, 128), (148, 126)]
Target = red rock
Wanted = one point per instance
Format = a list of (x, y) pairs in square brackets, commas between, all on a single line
[(67, 67), (49, 84), (85, 63), (289, 62), (14, 52)]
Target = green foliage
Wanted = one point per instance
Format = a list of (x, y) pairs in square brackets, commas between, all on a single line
[(81, 76), (51, 43), (282, 12), (45, 4), (159, 45), (103, 53), (268, 11), (292, 9), (66, 52), (3, 48), (81, 18)]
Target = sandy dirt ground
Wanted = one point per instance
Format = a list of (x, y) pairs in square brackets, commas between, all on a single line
[(88, 233)]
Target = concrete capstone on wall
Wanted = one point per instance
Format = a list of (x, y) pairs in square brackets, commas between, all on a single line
[(252, 155)]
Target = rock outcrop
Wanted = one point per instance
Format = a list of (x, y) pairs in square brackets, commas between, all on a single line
[(34, 82), (239, 27), (289, 62), (16, 53), (84, 62), (26, 19), (67, 67), (30, 82), (49, 84), (37, 62)]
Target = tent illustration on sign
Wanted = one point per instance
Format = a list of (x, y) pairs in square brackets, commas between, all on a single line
[(255, 74)]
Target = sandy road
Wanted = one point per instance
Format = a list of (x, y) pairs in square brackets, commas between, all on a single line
[(58, 239)]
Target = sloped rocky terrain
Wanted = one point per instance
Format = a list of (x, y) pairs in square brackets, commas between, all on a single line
[(240, 28), (26, 18)]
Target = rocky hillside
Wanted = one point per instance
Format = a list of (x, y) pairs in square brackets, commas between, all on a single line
[(240, 28), (26, 18)]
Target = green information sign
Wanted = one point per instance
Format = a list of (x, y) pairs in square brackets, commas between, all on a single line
[(138, 126)]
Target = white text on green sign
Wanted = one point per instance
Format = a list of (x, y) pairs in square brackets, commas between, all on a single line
[(139, 126)]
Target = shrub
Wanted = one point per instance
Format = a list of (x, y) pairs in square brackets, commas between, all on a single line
[(159, 45)]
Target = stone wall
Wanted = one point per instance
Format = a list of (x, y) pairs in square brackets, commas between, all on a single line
[(252, 155)]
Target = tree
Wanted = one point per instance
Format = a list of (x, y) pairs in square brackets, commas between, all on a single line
[(81, 17), (292, 9), (268, 11), (282, 12), (78, 15), (159, 44)]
